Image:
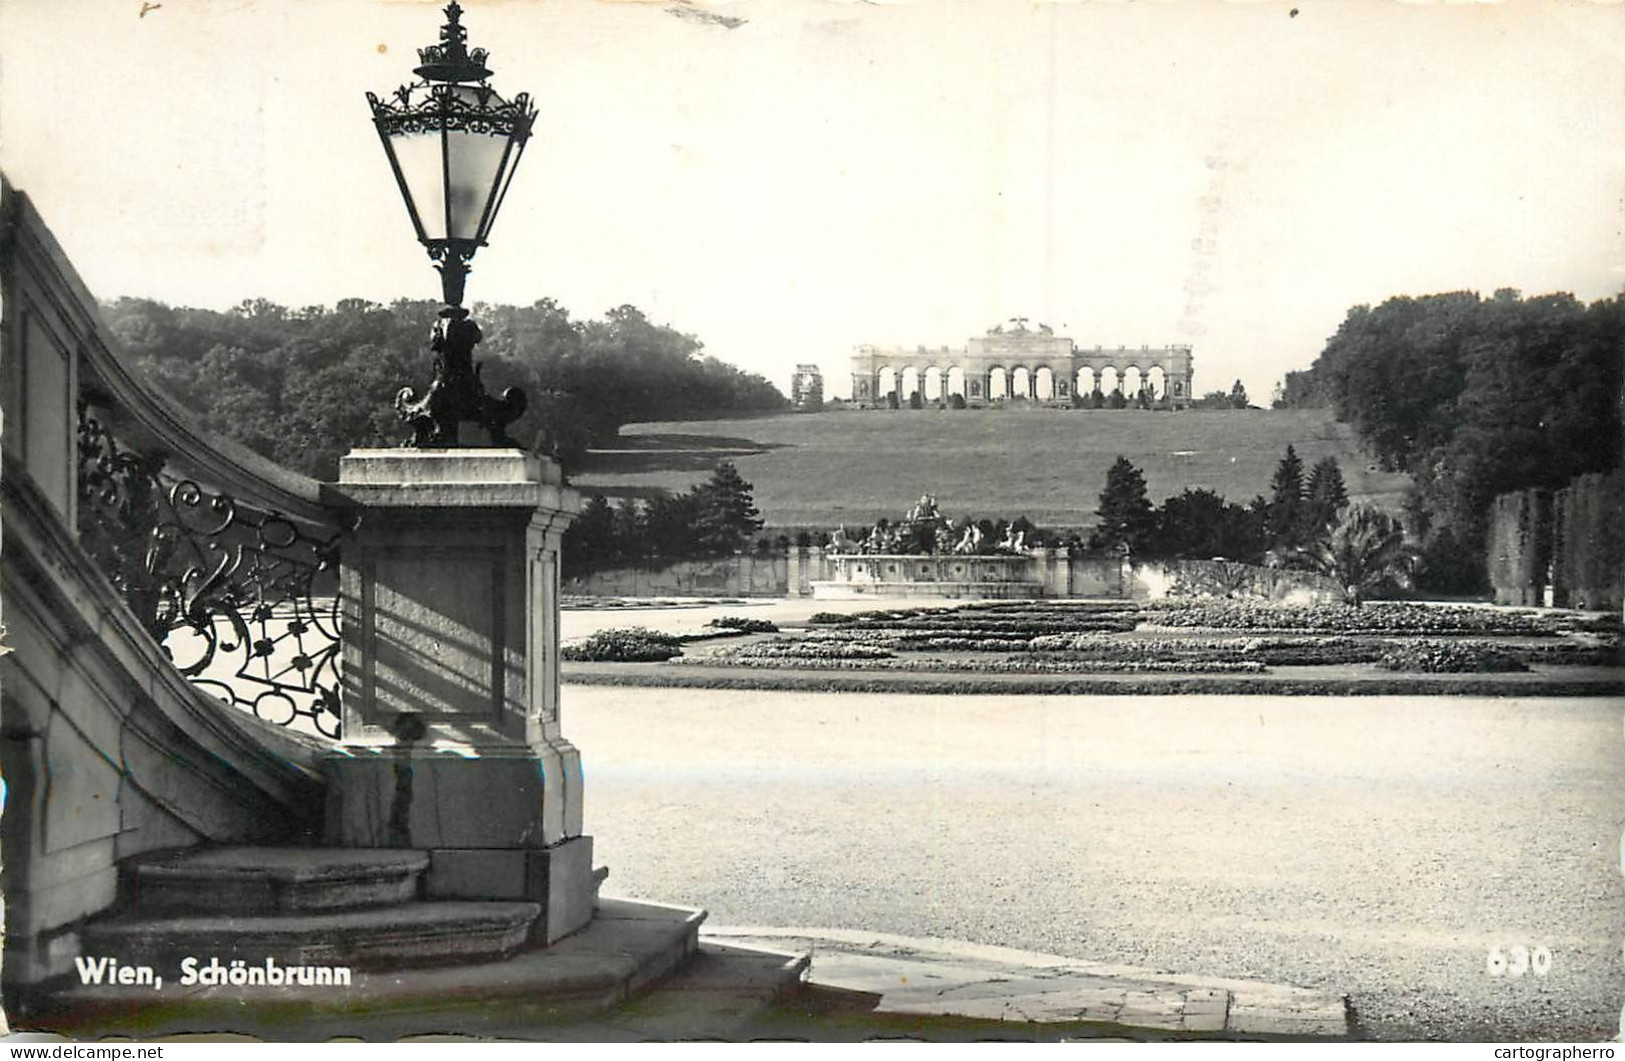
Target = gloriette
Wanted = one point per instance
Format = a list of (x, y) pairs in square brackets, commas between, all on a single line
[(1013, 362)]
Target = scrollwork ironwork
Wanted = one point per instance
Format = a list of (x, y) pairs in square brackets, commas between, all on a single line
[(453, 108), (242, 600)]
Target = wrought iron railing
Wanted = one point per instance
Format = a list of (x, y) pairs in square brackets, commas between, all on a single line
[(243, 600)]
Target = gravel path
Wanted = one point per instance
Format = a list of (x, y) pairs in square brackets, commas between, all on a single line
[(1378, 846)]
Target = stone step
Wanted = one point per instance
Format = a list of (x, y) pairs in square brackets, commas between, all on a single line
[(627, 950), (268, 880), (716, 995), (416, 933)]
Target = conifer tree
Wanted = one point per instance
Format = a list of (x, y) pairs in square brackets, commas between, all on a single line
[(1325, 496), (1126, 515), (727, 515), (1286, 512)]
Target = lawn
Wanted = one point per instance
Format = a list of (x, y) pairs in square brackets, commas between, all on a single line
[(855, 466)]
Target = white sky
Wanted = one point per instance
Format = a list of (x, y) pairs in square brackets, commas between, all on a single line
[(828, 174)]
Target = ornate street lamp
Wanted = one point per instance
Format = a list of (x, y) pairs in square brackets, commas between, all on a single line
[(454, 144)]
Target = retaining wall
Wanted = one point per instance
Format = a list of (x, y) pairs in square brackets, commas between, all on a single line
[(1059, 572)]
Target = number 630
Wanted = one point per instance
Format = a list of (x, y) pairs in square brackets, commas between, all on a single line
[(1517, 960)]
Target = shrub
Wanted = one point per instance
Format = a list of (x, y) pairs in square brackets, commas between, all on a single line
[(631, 644), (744, 624), (1445, 657)]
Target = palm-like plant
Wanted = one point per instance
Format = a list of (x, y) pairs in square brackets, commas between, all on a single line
[(1364, 549)]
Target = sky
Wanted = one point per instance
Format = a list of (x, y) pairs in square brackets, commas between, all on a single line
[(788, 179)]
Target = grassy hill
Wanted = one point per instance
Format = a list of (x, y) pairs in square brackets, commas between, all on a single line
[(854, 466)]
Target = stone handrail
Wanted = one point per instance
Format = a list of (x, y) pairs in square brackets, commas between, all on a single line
[(206, 540), (142, 417)]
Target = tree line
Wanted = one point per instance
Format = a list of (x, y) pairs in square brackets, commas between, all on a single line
[(714, 518), (1474, 397), (1200, 524), (1305, 523), (304, 386)]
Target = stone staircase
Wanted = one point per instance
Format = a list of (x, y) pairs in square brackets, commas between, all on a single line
[(412, 965), (300, 907)]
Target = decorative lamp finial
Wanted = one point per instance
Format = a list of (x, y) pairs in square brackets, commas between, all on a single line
[(452, 60)]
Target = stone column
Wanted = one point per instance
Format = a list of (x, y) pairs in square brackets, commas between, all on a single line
[(452, 743), (793, 559)]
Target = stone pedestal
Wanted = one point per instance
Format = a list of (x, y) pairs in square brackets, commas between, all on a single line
[(451, 708)]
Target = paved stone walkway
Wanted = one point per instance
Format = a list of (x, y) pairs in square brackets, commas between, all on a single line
[(939, 978)]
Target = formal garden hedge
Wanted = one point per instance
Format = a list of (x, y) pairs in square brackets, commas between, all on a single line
[(1233, 638)]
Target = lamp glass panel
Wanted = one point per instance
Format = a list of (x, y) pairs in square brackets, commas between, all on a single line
[(475, 168), (419, 158), (506, 179)]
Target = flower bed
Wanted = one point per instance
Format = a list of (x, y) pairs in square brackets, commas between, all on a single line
[(804, 649), (1343, 619), (1028, 665), (630, 644), (1590, 653), (1446, 657)]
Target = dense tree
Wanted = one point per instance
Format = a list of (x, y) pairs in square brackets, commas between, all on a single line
[(1475, 397), (304, 387), (715, 518), (1300, 390), (631, 533), (1125, 514), (589, 541), (1199, 524), (1238, 396)]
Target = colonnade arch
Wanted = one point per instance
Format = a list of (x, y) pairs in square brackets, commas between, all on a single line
[(1021, 364)]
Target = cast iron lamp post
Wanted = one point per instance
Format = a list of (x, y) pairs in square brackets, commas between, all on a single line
[(453, 144)]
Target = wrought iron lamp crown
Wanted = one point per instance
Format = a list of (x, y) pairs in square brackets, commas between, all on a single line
[(452, 60)]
